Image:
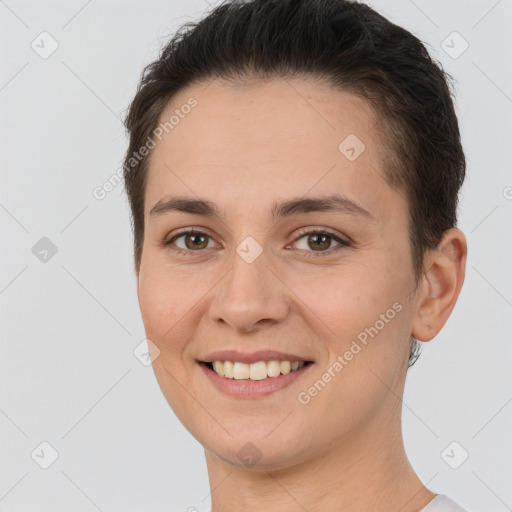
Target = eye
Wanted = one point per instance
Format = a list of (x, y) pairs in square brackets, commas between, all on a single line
[(193, 241), (320, 241)]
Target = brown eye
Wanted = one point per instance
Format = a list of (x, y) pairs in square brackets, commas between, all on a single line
[(187, 242), (194, 241), (319, 241)]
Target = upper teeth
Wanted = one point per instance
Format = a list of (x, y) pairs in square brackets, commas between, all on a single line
[(255, 371)]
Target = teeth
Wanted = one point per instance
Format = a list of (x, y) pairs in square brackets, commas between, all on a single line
[(219, 368), (285, 367), (273, 368), (228, 368), (241, 371), (255, 371)]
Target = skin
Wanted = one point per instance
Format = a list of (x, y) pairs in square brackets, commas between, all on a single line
[(245, 148)]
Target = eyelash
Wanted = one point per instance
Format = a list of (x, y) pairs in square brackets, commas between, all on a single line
[(313, 231)]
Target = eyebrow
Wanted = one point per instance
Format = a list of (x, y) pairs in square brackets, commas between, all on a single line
[(335, 203)]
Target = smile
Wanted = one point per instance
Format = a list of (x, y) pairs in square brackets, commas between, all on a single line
[(253, 380), (255, 371)]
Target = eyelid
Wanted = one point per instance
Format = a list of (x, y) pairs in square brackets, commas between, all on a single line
[(187, 230), (166, 242), (337, 237), (322, 230)]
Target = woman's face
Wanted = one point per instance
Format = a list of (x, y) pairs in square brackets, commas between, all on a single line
[(255, 277)]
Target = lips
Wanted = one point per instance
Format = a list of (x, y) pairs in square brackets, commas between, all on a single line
[(256, 374), (253, 357)]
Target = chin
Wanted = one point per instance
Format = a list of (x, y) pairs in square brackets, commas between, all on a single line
[(260, 443), (259, 455)]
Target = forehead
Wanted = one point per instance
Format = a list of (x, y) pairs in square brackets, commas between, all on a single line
[(254, 114), (276, 138)]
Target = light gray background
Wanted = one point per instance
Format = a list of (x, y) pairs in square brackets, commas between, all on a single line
[(69, 325)]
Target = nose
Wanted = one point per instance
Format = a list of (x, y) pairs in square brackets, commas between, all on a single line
[(250, 296)]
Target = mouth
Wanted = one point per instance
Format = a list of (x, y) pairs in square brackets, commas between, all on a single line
[(253, 380)]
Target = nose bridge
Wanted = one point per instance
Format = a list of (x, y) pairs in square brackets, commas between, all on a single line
[(250, 293)]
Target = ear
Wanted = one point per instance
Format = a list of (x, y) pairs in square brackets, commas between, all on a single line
[(445, 268)]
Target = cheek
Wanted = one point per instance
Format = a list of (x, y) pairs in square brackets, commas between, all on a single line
[(362, 316), (167, 309), (364, 344), (348, 299), (172, 304), (166, 298)]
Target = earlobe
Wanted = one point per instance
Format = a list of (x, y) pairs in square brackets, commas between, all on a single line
[(445, 268)]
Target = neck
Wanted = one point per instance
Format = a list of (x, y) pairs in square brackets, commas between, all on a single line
[(365, 471)]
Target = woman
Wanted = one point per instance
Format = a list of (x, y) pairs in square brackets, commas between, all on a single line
[(293, 172)]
